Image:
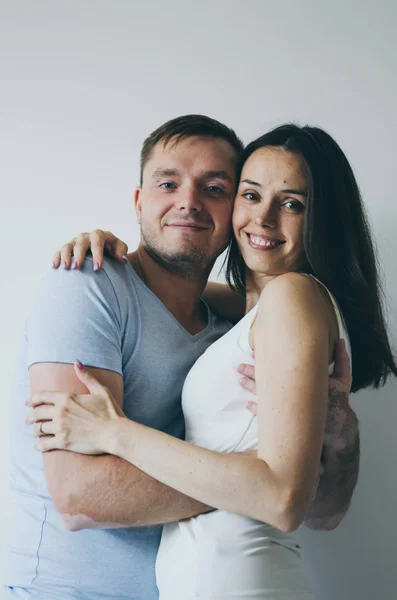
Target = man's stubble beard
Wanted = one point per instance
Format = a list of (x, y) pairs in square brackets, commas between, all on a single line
[(193, 264)]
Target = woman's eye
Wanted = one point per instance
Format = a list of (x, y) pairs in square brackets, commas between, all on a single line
[(294, 205), (167, 185), (250, 196)]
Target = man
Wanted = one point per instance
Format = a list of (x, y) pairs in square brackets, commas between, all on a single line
[(87, 526)]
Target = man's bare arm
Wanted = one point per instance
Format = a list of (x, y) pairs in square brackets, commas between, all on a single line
[(108, 493), (104, 491)]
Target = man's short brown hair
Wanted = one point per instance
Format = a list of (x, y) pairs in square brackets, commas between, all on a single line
[(188, 126)]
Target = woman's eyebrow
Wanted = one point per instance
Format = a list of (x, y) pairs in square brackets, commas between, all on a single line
[(286, 191), (250, 182), (297, 192)]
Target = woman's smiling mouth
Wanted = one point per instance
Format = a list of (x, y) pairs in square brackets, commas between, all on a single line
[(263, 242)]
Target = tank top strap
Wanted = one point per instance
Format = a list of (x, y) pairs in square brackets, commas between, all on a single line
[(338, 314), (244, 334)]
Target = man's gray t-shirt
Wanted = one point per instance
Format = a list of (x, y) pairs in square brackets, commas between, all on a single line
[(111, 320)]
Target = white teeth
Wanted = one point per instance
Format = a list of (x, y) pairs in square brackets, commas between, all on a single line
[(258, 241)]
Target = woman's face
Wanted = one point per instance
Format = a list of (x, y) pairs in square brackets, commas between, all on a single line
[(269, 211)]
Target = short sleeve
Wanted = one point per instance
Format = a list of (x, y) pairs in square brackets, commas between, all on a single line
[(76, 315)]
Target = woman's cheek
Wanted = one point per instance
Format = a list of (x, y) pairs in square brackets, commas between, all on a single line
[(237, 219)]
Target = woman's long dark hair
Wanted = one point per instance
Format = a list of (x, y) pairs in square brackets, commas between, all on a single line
[(338, 246)]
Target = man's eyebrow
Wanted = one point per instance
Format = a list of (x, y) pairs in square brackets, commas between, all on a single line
[(165, 173), (206, 175), (217, 175)]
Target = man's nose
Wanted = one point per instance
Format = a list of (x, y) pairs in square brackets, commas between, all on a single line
[(189, 199)]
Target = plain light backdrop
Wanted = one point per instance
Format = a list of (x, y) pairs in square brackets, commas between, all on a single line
[(83, 82)]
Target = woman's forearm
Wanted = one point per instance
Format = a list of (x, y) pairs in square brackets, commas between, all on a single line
[(236, 483)]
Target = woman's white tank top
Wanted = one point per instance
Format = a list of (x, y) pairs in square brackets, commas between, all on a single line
[(220, 555)]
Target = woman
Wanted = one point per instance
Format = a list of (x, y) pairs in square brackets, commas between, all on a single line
[(301, 249)]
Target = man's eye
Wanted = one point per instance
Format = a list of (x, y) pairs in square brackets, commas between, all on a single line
[(214, 189), (250, 196), (167, 185)]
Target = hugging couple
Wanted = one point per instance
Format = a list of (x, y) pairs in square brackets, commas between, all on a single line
[(182, 430)]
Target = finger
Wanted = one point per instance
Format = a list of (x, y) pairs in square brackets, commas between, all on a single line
[(120, 251), (248, 384), (41, 413), (342, 368), (66, 254), (49, 398), (56, 260), (110, 242), (91, 383), (50, 442), (246, 370), (81, 247), (44, 428), (98, 239), (252, 407)]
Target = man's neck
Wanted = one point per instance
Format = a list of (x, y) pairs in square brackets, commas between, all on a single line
[(180, 296)]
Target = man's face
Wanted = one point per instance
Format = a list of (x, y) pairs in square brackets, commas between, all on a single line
[(184, 205)]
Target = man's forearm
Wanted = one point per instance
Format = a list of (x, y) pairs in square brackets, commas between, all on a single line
[(107, 491), (336, 485)]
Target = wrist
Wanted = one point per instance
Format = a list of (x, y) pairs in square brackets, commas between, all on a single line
[(113, 435)]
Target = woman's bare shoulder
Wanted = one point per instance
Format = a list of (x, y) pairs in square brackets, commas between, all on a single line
[(295, 292)]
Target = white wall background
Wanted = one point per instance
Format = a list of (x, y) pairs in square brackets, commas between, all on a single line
[(84, 81)]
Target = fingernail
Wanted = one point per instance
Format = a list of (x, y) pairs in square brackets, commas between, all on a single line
[(125, 259), (64, 264), (243, 380), (74, 264), (79, 365), (240, 369), (96, 266)]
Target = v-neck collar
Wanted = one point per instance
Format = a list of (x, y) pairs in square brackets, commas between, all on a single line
[(147, 290)]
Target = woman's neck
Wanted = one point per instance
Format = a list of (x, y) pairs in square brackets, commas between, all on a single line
[(255, 283)]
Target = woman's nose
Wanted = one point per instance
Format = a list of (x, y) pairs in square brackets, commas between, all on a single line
[(266, 217)]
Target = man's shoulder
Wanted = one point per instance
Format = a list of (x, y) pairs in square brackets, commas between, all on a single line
[(83, 313), (112, 277), (109, 293)]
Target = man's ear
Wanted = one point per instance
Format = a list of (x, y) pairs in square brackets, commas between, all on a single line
[(137, 203)]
